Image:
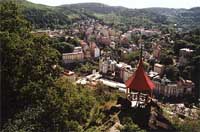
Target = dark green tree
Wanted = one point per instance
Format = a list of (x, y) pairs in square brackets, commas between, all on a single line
[(26, 62), (172, 72), (63, 47)]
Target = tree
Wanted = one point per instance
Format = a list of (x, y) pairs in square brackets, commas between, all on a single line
[(131, 56), (129, 126), (172, 72), (166, 59), (12, 20), (26, 64), (65, 107), (63, 47)]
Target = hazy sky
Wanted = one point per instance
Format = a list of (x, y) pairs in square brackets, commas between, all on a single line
[(128, 3)]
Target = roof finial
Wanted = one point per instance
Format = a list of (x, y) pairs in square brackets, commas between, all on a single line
[(141, 51)]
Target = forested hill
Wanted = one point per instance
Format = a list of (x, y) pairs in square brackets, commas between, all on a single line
[(42, 16)]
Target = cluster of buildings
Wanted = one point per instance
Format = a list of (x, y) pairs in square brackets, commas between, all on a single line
[(93, 31), (146, 32), (169, 88), (80, 53), (117, 71), (121, 72), (94, 36), (50, 33)]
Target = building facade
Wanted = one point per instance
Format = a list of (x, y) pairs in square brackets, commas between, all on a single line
[(172, 89), (72, 57)]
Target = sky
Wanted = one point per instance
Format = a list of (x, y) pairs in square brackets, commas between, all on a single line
[(128, 3)]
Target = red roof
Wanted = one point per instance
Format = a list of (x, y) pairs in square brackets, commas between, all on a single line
[(139, 81)]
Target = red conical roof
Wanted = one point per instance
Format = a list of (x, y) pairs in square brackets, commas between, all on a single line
[(139, 81)]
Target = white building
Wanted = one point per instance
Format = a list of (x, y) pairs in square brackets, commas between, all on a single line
[(96, 52), (126, 71), (103, 66), (77, 55), (77, 49)]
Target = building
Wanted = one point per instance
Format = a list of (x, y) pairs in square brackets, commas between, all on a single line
[(159, 68), (184, 56), (125, 71), (69, 75), (106, 64), (103, 66), (96, 52), (139, 81), (166, 88), (156, 51), (187, 85), (84, 45), (124, 40), (149, 32), (77, 49), (87, 54), (173, 89), (142, 31), (126, 74), (77, 55)]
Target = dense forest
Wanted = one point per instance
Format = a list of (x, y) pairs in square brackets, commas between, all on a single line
[(34, 96)]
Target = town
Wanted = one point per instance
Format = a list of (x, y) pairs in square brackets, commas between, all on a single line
[(106, 47), (92, 67)]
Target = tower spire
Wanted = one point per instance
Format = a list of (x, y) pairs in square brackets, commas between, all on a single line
[(141, 51)]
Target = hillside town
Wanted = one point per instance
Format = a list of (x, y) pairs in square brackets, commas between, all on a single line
[(99, 42), (91, 67)]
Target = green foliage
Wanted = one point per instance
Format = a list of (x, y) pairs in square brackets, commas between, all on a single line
[(45, 18), (172, 72), (166, 59), (188, 125), (34, 99), (191, 69), (129, 126), (96, 118), (54, 17), (63, 47), (86, 68), (26, 63), (26, 121), (73, 41), (69, 103), (11, 19), (65, 107), (131, 56), (181, 44), (102, 93)]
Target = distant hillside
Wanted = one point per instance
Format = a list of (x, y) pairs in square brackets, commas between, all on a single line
[(142, 17), (42, 16)]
